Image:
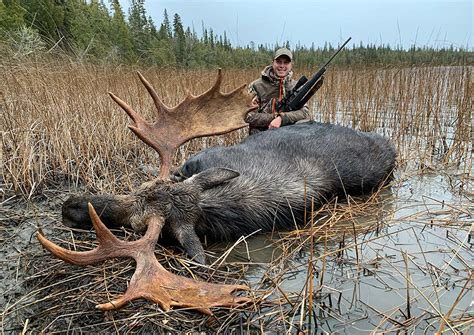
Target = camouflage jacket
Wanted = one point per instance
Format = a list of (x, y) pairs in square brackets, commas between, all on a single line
[(266, 88)]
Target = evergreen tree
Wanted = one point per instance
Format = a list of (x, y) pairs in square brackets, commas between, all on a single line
[(205, 37), (227, 44), (179, 40), (138, 26), (76, 27), (211, 38), (47, 16), (165, 28), (87, 29), (151, 29), (121, 38), (11, 15)]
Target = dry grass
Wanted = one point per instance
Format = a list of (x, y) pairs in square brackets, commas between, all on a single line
[(59, 123), (410, 246)]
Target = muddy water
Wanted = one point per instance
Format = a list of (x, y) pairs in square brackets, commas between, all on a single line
[(428, 218)]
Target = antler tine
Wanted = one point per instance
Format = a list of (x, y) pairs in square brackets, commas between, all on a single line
[(160, 106), (214, 90), (136, 118), (109, 246), (105, 236), (217, 85), (211, 113)]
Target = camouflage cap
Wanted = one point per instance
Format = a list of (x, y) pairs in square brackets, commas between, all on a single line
[(283, 52)]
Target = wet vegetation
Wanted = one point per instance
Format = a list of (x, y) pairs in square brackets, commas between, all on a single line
[(399, 260)]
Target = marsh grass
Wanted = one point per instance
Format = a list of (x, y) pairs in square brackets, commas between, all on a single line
[(59, 124), (61, 130)]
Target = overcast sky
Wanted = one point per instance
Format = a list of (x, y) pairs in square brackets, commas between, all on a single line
[(435, 23)]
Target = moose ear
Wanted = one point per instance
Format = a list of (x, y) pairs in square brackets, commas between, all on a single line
[(212, 177)]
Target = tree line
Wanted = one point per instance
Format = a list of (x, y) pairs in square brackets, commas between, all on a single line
[(95, 32)]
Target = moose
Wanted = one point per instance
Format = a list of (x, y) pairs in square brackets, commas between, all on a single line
[(264, 183)]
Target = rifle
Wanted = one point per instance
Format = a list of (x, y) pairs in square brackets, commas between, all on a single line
[(304, 88)]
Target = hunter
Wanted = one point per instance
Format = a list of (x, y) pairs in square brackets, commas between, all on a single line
[(276, 81)]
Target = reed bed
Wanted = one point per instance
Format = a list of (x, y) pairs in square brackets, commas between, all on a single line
[(58, 121), (397, 261)]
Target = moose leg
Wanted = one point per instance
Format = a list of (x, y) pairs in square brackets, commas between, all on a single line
[(187, 237)]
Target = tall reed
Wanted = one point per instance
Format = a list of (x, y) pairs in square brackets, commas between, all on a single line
[(59, 125)]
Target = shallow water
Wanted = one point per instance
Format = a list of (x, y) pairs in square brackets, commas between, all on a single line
[(428, 217)]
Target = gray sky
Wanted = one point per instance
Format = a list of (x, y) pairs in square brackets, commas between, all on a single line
[(436, 23)]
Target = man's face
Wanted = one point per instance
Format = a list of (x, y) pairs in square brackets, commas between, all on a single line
[(281, 66)]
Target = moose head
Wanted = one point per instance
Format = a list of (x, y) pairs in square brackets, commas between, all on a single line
[(161, 204)]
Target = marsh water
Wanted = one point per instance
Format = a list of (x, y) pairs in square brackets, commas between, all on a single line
[(426, 217), (410, 269), (415, 235)]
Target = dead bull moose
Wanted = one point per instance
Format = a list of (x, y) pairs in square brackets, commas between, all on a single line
[(261, 184)]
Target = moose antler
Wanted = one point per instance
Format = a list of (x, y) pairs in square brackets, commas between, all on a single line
[(150, 280), (211, 113)]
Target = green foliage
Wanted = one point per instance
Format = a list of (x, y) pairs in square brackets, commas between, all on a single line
[(179, 41), (89, 30), (11, 16), (139, 28), (120, 37), (165, 28), (24, 42), (46, 16)]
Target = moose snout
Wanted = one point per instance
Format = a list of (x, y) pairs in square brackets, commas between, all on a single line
[(112, 212), (75, 213)]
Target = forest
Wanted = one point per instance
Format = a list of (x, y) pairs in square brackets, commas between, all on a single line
[(102, 33)]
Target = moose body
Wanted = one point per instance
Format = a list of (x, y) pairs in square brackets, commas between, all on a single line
[(261, 184), (281, 170)]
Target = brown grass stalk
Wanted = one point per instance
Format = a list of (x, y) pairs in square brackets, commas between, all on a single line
[(60, 130)]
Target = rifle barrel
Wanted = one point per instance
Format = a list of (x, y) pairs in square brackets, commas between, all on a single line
[(335, 54)]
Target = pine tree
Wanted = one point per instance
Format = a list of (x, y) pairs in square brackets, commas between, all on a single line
[(151, 29), (179, 39), (227, 44), (138, 26), (211, 38), (121, 38), (88, 29), (165, 28), (47, 16), (205, 37)]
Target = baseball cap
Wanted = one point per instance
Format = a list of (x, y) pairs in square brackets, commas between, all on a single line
[(283, 52)]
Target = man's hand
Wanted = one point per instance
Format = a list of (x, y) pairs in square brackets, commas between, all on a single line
[(276, 123)]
